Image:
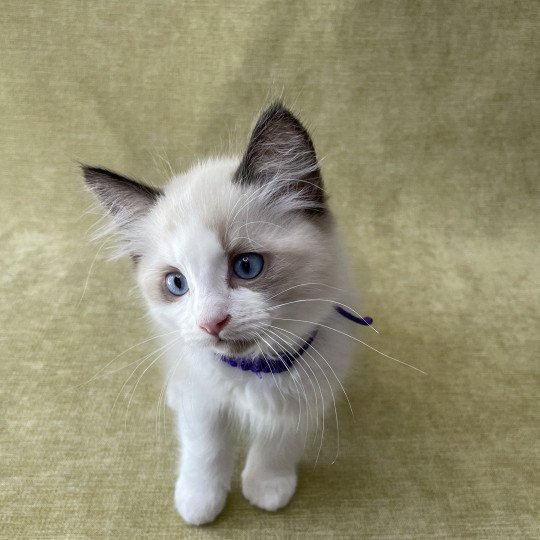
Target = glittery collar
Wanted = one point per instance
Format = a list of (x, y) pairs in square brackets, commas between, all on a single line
[(283, 361)]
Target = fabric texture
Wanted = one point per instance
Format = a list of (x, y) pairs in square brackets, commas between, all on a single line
[(426, 117)]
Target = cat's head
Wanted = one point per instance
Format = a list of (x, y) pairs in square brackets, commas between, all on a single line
[(232, 254)]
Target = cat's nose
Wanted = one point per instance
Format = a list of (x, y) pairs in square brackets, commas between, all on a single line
[(214, 327)]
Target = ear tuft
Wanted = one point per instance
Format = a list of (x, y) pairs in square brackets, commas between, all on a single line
[(281, 152)]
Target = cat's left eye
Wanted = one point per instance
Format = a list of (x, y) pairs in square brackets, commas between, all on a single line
[(176, 283), (248, 265)]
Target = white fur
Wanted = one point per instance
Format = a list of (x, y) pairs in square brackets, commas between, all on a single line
[(185, 230)]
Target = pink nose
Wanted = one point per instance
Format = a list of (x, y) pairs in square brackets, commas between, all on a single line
[(214, 327)]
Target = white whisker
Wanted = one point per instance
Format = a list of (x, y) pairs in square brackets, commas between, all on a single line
[(297, 387), (333, 398), (322, 300), (133, 373), (329, 366), (355, 339), (171, 345), (310, 381), (90, 270), (273, 376), (97, 374), (307, 284)]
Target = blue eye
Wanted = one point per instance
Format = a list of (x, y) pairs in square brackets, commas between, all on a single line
[(176, 283), (248, 265)]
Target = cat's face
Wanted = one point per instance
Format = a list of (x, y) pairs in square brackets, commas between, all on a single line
[(230, 255), (217, 252)]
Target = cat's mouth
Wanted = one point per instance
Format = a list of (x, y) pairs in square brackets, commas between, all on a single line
[(233, 346)]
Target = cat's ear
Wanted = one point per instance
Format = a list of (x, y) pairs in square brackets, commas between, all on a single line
[(280, 152), (124, 199)]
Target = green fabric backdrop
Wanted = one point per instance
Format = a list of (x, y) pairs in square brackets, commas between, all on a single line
[(426, 114)]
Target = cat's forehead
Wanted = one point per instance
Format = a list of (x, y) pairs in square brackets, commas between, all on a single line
[(204, 212), (205, 194), (205, 202), (200, 210)]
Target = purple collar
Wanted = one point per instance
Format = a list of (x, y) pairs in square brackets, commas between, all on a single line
[(281, 363), (364, 321), (263, 364)]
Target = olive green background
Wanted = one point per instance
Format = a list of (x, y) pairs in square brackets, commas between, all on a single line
[(426, 114)]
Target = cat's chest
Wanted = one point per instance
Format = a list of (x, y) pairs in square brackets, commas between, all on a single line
[(203, 376)]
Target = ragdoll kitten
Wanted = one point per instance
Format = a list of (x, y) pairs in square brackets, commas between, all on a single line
[(240, 264)]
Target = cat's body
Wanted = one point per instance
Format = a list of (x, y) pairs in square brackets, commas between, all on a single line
[(198, 245)]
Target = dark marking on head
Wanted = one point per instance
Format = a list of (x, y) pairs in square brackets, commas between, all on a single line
[(119, 194), (280, 147), (135, 259), (124, 199)]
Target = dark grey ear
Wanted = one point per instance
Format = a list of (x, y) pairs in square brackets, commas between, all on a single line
[(280, 149), (124, 199)]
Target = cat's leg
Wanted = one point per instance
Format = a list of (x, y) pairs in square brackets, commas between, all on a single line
[(206, 462), (269, 476)]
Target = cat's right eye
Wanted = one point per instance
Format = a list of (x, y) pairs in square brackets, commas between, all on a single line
[(176, 283)]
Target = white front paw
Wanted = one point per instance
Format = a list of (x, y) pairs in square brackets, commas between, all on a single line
[(199, 504), (267, 492)]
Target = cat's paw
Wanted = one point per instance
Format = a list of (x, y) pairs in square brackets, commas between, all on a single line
[(200, 504), (269, 492)]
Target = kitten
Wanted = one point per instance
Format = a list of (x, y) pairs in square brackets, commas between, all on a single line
[(241, 267)]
